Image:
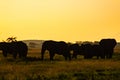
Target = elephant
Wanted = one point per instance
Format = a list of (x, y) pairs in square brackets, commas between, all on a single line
[(55, 47), (14, 48), (87, 50), (91, 50), (77, 50), (22, 49), (7, 48), (97, 50), (108, 47)]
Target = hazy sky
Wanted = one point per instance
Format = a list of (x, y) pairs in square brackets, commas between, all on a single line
[(68, 20)]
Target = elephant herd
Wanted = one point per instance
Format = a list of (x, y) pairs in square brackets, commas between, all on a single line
[(103, 50)]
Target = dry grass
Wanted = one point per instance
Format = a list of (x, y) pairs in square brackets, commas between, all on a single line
[(23, 70), (59, 69)]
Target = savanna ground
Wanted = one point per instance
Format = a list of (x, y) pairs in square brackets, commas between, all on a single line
[(59, 69)]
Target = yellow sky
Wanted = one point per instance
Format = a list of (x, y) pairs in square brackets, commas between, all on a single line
[(68, 20)]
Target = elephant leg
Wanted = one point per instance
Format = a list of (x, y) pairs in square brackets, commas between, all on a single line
[(97, 56), (69, 56), (107, 55), (14, 55), (86, 56), (25, 55), (20, 55), (4, 54), (42, 56), (66, 57), (110, 54), (102, 56), (51, 56), (74, 55)]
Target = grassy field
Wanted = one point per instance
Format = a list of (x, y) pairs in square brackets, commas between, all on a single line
[(80, 69)]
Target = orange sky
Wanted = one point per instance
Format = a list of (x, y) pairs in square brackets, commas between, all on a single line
[(68, 20)]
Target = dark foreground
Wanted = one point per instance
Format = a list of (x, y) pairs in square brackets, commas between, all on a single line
[(80, 69)]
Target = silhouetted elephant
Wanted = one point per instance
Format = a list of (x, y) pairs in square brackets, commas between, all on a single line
[(92, 50), (14, 48), (88, 51), (22, 48), (97, 50), (77, 50), (108, 46), (53, 47)]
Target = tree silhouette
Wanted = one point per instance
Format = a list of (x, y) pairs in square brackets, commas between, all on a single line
[(11, 39)]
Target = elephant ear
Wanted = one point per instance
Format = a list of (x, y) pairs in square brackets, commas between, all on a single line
[(114, 43), (108, 43)]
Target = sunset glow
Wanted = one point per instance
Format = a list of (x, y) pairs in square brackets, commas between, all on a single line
[(67, 20)]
